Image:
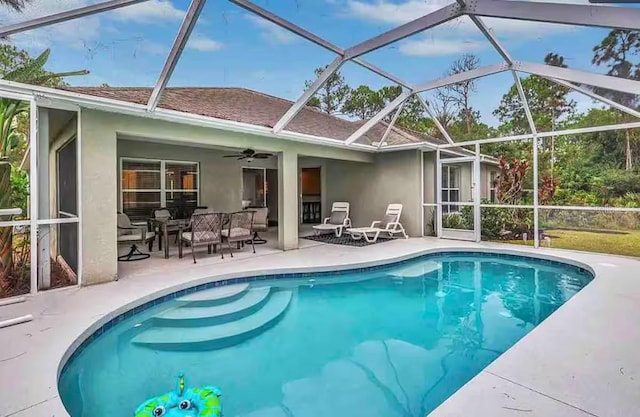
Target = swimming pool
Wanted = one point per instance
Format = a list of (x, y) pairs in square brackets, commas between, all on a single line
[(389, 341)]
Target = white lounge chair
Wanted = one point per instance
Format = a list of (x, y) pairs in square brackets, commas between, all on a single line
[(337, 222), (389, 224)]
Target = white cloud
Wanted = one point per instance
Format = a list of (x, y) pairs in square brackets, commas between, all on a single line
[(272, 32), (438, 47), (392, 13), (454, 37), (153, 11), (69, 32), (87, 30), (204, 44)]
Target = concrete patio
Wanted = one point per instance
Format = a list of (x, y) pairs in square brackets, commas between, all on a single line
[(582, 361)]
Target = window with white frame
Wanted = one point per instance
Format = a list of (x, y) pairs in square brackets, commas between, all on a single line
[(450, 188), (493, 186), (147, 184)]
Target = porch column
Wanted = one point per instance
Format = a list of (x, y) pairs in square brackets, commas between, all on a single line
[(44, 230), (288, 201), (99, 168)]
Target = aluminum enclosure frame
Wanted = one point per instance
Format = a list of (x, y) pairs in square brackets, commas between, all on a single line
[(573, 14), (587, 15)]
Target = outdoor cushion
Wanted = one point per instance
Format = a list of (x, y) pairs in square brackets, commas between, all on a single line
[(236, 232), (388, 218), (337, 217), (134, 237), (206, 236)]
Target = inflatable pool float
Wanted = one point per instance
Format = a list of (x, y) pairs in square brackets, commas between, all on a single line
[(183, 402)]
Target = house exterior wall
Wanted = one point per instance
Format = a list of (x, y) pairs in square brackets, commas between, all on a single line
[(99, 181), (368, 181), (394, 177), (100, 197)]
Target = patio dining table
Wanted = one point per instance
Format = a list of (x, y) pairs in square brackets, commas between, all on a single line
[(164, 225)]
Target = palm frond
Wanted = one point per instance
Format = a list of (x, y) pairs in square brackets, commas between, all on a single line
[(30, 69)]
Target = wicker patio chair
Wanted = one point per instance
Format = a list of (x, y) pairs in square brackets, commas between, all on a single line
[(239, 229), (206, 229)]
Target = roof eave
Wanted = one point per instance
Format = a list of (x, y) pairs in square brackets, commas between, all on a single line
[(49, 96)]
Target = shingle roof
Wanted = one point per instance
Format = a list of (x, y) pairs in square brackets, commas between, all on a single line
[(253, 107)]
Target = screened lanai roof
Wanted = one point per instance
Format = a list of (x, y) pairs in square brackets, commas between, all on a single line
[(287, 118)]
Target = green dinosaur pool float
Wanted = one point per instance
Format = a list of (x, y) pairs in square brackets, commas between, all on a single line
[(183, 402)]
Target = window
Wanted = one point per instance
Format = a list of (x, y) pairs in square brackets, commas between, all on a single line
[(450, 188), (147, 184), (493, 185)]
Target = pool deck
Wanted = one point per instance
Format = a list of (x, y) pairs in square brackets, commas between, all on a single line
[(583, 360)]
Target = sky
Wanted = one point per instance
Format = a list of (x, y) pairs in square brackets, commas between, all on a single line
[(231, 47)]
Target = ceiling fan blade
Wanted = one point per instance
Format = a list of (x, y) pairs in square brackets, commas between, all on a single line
[(232, 156), (260, 155)]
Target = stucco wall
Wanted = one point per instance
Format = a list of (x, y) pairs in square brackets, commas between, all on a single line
[(99, 181), (369, 188), (100, 197)]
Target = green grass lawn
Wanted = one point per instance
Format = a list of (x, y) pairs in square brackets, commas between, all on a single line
[(617, 243)]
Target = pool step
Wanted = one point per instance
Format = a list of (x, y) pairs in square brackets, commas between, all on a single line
[(415, 271), (188, 316), (214, 296), (220, 335)]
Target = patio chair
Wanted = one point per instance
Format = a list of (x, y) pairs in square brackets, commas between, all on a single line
[(239, 229), (164, 214), (129, 233), (337, 222), (260, 224), (389, 224), (201, 210), (205, 229)]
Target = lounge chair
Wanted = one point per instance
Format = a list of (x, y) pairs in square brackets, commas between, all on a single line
[(205, 229), (129, 233), (337, 222), (389, 224)]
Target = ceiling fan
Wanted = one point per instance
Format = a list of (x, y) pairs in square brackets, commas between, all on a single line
[(249, 155)]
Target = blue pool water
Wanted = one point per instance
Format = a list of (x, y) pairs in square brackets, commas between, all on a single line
[(392, 341)]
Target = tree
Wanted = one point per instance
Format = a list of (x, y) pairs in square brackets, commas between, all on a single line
[(616, 51), (548, 102), (363, 103), (460, 93), (332, 95), (412, 115)]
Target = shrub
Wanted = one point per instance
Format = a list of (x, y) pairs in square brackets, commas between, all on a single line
[(453, 221), (617, 183)]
